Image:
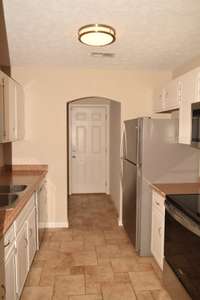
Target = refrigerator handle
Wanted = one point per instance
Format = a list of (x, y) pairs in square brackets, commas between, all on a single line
[(122, 150), (123, 147)]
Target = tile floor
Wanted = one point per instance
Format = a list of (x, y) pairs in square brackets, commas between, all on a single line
[(93, 260)]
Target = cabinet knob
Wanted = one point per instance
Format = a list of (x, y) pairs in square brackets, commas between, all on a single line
[(26, 242), (7, 244)]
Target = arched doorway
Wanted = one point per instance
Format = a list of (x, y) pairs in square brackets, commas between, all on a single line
[(94, 123)]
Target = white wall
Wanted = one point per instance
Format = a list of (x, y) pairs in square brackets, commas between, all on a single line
[(115, 140), (47, 90)]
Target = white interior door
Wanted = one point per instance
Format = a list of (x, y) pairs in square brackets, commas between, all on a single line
[(88, 149)]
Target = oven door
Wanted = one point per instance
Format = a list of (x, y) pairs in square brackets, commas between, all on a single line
[(182, 250)]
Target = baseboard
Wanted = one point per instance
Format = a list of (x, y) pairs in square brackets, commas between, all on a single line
[(57, 225)]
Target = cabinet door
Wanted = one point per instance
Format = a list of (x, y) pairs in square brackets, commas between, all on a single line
[(32, 235), (197, 85), (159, 98), (22, 257), (171, 95), (2, 271), (10, 276), (9, 109), (19, 119), (185, 123), (157, 236)]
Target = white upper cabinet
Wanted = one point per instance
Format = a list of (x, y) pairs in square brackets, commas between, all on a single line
[(172, 95), (197, 85), (167, 98), (11, 109), (159, 99), (19, 112)]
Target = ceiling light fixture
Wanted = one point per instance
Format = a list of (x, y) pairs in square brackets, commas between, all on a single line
[(97, 35)]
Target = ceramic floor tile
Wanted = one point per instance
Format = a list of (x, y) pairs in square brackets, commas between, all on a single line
[(99, 274), (93, 257), (69, 285), (61, 236), (84, 258), (33, 278), (123, 264), (47, 245), (86, 297), (118, 234), (146, 295), (142, 281), (118, 291), (107, 251), (160, 295), (71, 246), (77, 270), (37, 293), (121, 277)]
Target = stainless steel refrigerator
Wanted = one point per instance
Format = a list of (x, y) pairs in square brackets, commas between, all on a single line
[(151, 154)]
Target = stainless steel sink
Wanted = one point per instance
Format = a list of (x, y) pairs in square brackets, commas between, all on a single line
[(8, 200), (12, 188)]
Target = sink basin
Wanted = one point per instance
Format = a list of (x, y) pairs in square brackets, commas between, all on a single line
[(12, 188), (8, 200)]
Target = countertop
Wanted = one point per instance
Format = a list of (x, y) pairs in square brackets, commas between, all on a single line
[(30, 175), (177, 188)]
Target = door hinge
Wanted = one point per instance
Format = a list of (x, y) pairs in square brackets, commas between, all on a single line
[(106, 184), (106, 117)]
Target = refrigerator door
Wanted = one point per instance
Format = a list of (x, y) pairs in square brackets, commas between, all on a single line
[(130, 199), (130, 140)]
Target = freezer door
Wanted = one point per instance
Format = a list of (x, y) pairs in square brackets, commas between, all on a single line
[(129, 199), (130, 140)]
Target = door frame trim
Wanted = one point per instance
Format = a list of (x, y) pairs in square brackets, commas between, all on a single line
[(107, 123)]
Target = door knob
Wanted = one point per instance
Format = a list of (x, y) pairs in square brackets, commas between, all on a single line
[(73, 156)]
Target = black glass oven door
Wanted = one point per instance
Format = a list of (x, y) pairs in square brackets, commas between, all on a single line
[(182, 249)]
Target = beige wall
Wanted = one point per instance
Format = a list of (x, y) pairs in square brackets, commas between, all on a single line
[(192, 64), (47, 90), (115, 140)]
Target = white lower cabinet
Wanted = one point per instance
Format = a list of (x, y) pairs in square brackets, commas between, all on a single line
[(31, 236), (2, 274), (157, 229), (22, 257), (17, 250), (10, 276)]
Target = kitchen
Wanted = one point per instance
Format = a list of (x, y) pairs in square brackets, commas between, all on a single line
[(49, 86)]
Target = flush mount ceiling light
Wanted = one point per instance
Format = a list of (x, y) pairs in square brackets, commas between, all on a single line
[(96, 35)]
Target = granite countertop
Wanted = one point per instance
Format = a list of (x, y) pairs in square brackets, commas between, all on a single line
[(30, 175), (177, 188)]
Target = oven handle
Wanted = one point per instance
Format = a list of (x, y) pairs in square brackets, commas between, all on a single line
[(182, 219)]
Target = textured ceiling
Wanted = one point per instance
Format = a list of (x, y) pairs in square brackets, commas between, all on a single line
[(151, 34)]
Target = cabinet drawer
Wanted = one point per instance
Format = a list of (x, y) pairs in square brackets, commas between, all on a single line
[(8, 241), (24, 214), (158, 201)]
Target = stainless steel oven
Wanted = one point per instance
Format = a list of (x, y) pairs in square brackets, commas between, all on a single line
[(196, 125), (182, 247)]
